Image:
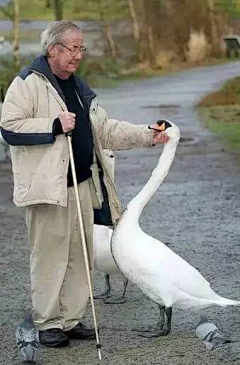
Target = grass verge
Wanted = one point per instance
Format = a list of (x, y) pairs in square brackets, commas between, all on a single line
[(75, 10), (221, 113)]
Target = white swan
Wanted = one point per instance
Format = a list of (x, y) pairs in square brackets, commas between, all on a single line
[(2, 141), (161, 274), (103, 260)]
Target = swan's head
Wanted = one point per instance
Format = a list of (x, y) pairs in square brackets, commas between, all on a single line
[(169, 127)]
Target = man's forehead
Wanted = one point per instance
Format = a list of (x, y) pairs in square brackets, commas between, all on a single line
[(72, 35)]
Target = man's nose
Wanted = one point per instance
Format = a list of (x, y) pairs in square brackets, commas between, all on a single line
[(78, 56)]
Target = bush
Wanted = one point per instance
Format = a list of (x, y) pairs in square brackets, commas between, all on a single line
[(228, 95), (164, 58), (98, 66), (8, 70), (92, 70), (198, 48), (7, 73)]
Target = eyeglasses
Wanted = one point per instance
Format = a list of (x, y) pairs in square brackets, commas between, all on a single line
[(74, 51)]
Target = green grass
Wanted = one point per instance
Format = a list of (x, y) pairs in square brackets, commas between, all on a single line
[(221, 113), (89, 9), (228, 95), (224, 122), (73, 9)]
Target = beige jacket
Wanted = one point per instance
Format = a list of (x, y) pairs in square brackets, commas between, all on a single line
[(39, 159)]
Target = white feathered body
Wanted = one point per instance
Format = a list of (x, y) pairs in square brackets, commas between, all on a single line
[(103, 259), (2, 140), (159, 272)]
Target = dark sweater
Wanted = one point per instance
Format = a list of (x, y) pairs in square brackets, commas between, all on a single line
[(82, 139)]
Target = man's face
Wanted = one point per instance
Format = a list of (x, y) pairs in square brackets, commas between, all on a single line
[(67, 55)]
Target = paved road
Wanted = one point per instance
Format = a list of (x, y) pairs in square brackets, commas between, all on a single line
[(196, 211)]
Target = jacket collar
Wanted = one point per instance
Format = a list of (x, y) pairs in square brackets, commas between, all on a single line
[(41, 65)]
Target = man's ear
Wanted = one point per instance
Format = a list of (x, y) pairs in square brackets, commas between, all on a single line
[(51, 51)]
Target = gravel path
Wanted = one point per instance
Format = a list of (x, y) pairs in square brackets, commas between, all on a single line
[(196, 211)]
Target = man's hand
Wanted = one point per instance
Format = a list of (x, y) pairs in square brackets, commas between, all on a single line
[(159, 135), (67, 120)]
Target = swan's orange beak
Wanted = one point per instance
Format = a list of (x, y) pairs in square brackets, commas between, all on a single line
[(157, 127)]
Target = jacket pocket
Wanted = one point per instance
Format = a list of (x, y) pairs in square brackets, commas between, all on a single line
[(95, 187)]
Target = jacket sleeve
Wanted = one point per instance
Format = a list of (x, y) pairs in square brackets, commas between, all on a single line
[(121, 135), (18, 125)]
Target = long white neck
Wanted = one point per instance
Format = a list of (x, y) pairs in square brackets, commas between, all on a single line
[(136, 205)]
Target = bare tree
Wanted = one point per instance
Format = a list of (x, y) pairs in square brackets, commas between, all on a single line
[(213, 26), (145, 18), (57, 6), (107, 33), (169, 6), (138, 15), (47, 4), (136, 25), (152, 10), (16, 33), (7, 10)]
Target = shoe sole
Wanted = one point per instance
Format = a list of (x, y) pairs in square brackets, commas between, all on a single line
[(93, 337), (62, 344)]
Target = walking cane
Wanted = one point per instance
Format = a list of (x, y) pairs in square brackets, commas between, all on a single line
[(83, 239)]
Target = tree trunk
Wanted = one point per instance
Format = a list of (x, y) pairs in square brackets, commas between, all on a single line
[(214, 32), (138, 14), (107, 33), (151, 47), (16, 33), (152, 25), (110, 40), (58, 9), (136, 26), (169, 6), (76, 6), (48, 4)]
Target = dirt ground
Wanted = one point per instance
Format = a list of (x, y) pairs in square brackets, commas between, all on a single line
[(196, 211)]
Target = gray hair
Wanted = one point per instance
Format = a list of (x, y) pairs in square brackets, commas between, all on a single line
[(54, 32)]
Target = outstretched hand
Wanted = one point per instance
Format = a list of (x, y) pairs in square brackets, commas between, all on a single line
[(159, 135)]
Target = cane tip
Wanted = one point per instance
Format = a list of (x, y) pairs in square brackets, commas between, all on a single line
[(100, 356)]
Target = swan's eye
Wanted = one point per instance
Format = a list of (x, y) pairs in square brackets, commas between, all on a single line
[(162, 127), (163, 124)]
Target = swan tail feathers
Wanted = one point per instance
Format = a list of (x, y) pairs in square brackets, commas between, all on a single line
[(212, 299), (223, 302)]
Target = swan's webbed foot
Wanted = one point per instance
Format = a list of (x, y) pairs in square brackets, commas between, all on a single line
[(154, 333), (163, 327), (144, 329), (117, 299), (114, 300), (120, 299), (102, 295), (106, 293)]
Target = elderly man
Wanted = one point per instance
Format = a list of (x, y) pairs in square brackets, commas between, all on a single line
[(45, 101)]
